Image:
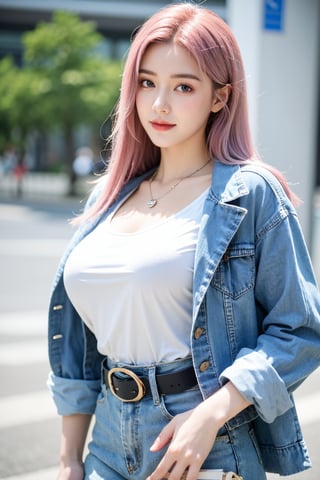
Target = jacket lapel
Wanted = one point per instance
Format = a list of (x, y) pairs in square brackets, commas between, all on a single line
[(220, 222)]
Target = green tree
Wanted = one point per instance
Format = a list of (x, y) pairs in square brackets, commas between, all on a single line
[(79, 86), (20, 111), (7, 75)]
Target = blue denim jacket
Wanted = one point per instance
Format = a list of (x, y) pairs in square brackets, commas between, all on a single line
[(256, 313)]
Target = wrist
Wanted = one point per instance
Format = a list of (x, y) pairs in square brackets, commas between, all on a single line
[(71, 471), (69, 460), (225, 404)]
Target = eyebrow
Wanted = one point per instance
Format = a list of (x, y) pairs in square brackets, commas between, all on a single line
[(176, 75)]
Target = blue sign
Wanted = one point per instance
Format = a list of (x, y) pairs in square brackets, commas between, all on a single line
[(273, 15)]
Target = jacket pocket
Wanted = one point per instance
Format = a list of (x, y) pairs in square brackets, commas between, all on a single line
[(235, 273)]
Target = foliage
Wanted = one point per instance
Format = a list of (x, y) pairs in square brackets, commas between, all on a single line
[(64, 82), (20, 110), (7, 75), (82, 85)]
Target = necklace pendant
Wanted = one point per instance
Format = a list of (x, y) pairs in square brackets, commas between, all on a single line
[(152, 203)]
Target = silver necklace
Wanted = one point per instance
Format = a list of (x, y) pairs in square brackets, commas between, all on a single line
[(153, 201)]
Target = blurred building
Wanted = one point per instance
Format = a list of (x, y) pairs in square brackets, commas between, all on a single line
[(115, 20)]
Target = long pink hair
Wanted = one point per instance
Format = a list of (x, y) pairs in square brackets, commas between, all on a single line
[(212, 44)]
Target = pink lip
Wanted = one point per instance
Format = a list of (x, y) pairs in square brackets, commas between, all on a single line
[(161, 125)]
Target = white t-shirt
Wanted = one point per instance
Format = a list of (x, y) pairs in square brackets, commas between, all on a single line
[(134, 291)]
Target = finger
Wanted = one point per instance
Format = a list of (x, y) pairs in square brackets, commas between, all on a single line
[(163, 469), (186, 468), (163, 439), (179, 472), (193, 472)]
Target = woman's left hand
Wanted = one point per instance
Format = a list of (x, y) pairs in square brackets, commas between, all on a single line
[(192, 436)]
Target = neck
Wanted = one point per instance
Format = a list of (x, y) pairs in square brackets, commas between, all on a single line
[(174, 165)]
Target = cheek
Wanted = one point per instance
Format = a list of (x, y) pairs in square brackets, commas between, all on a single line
[(141, 106), (199, 103), (138, 102), (199, 111)]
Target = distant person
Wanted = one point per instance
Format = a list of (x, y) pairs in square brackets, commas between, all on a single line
[(9, 159), (185, 312), (83, 162), (19, 172)]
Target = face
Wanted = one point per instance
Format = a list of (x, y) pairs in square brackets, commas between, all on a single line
[(174, 97)]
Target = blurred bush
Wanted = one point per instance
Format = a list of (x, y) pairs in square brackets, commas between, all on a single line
[(64, 82)]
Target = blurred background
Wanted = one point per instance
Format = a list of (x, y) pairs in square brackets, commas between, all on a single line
[(60, 73)]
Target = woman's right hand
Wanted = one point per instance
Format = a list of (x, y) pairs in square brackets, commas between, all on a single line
[(73, 471)]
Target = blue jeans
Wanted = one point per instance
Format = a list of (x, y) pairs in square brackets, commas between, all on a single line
[(123, 433)]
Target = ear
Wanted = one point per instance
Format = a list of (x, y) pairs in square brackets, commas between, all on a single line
[(221, 96)]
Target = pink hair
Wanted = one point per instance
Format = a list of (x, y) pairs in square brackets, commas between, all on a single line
[(211, 43)]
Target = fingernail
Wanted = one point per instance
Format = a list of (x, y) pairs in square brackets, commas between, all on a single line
[(154, 445)]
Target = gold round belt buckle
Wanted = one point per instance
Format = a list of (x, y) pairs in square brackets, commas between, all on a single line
[(129, 373)]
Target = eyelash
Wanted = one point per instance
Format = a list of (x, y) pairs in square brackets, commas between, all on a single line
[(146, 83), (182, 88), (185, 88)]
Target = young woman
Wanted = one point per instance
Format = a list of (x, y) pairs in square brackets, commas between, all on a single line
[(185, 311)]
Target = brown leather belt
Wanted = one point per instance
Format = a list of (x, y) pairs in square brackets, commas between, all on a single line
[(129, 387)]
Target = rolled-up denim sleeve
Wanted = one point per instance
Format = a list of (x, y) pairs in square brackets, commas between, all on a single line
[(72, 396), (259, 383)]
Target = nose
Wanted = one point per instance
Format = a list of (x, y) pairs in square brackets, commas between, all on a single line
[(160, 105)]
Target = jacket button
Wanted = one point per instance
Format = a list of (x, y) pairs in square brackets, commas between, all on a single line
[(204, 366), (198, 332), (58, 336), (57, 307)]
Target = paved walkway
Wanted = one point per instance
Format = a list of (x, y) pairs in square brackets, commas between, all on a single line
[(48, 474)]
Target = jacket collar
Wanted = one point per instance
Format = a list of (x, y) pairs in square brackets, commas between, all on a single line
[(227, 182), (220, 222)]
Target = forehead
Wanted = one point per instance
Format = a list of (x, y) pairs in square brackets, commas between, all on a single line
[(173, 56)]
